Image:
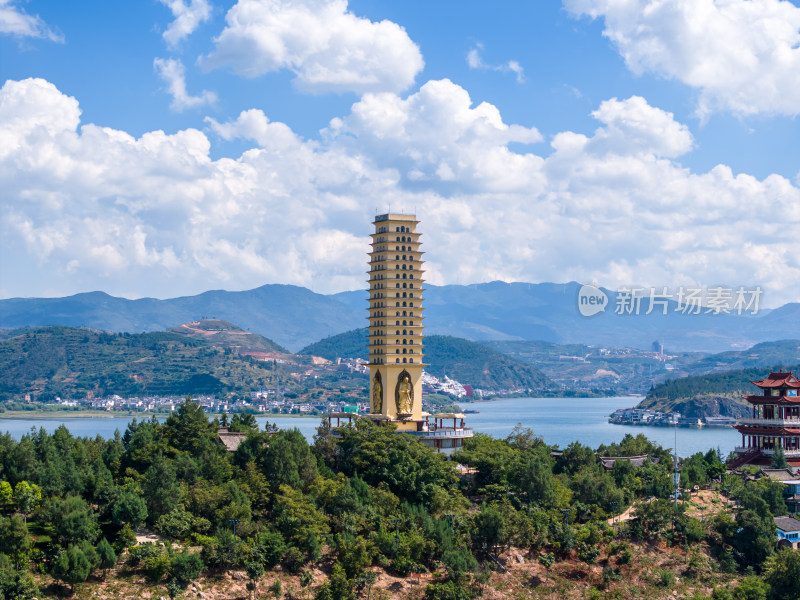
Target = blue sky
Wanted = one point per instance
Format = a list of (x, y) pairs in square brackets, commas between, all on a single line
[(162, 148)]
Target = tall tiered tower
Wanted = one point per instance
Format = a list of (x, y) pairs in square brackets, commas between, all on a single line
[(395, 321)]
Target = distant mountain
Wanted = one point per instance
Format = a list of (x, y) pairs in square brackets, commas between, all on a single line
[(781, 352), (294, 317), (78, 362), (549, 312), (465, 361)]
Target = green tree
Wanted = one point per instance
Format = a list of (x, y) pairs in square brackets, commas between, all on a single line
[(6, 495), (243, 422), (778, 460), (188, 429), (285, 457), (27, 497), (338, 586), (297, 518), (489, 530), (106, 555), (531, 474), (161, 488), (755, 538), (15, 584), (652, 519), (783, 574), (72, 566), (254, 570), (129, 507), (186, 566), (14, 540), (411, 470), (73, 520), (751, 588)]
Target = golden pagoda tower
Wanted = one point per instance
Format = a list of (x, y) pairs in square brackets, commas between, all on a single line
[(395, 321)]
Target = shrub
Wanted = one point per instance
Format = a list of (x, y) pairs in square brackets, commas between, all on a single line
[(547, 560), (186, 566), (294, 559), (588, 553), (156, 566), (665, 577), (139, 553), (449, 591), (404, 565)]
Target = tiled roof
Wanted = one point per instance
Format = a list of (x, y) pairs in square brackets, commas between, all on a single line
[(231, 439), (636, 461), (787, 524), (779, 379), (778, 474)]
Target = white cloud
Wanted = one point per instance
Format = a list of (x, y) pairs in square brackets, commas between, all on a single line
[(14, 21), (743, 55), (436, 136), (173, 73), (634, 125), (188, 17), (87, 206), (327, 47), (475, 61)]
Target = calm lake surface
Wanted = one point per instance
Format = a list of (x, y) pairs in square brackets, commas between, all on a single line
[(558, 421)]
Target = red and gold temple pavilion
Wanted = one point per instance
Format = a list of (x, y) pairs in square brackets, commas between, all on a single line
[(775, 422)]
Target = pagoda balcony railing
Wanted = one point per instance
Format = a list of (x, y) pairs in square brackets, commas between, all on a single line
[(444, 432), (766, 451), (794, 422)]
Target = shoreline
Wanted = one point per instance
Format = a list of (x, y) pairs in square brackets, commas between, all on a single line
[(84, 414)]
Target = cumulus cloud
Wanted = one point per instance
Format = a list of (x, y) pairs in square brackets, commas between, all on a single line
[(436, 137), (156, 215), (173, 73), (187, 18), (743, 55), (15, 21), (475, 61), (327, 47)]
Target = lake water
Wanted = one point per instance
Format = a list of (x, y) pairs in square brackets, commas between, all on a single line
[(558, 421)]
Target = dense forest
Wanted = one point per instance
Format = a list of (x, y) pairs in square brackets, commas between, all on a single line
[(359, 513)]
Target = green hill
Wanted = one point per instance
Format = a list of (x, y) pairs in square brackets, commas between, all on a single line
[(78, 362), (474, 364), (470, 363), (350, 344), (710, 394)]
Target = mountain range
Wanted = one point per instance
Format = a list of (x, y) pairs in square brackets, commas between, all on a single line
[(295, 316)]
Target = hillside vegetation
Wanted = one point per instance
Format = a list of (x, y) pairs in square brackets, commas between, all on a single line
[(712, 394), (75, 362), (468, 362), (354, 516)]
